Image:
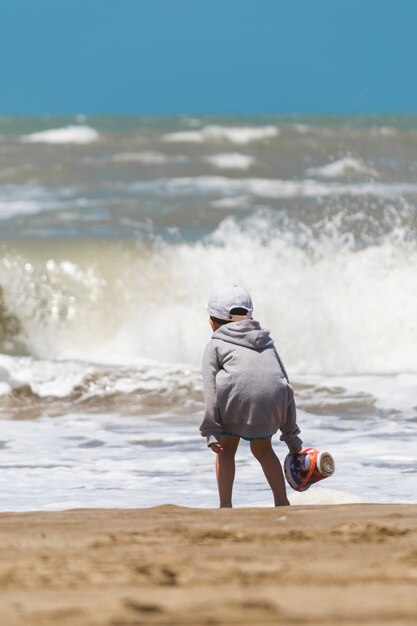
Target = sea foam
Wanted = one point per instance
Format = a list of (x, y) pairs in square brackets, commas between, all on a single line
[(16, 200), (68, 135), (269, 188), (321, 298), (343, 167), (147, 158), (10, 209), (323, 495), (230, 160), (233, 134)]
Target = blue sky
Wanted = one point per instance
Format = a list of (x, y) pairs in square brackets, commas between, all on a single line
[(208, 56)]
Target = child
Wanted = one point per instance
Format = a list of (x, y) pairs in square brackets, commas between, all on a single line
[(246, 393)]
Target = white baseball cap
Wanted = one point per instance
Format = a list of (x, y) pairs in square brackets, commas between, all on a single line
[(229, 297)]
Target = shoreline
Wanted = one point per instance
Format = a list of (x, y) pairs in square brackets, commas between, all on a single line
[(313, 564)]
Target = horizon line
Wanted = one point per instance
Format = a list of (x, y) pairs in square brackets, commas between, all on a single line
[(211, 114)]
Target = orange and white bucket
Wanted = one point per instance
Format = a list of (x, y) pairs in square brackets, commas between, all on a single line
[(303, 469)]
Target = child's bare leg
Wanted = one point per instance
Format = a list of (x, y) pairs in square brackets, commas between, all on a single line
[(262, 450), (225, 469)]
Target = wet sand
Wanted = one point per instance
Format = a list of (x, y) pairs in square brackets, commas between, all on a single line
[(346, 564)]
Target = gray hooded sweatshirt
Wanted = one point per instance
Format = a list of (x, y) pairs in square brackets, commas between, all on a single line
[(246, 388)]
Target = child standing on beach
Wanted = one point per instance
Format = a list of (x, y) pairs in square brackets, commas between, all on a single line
[(246, 393)]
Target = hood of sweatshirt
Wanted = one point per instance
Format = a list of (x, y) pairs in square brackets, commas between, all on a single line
[(246, 333)]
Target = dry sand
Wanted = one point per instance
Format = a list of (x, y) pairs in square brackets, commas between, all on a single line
[(348, 564)]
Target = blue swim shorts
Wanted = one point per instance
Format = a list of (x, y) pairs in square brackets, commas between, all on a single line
[(224, 432)]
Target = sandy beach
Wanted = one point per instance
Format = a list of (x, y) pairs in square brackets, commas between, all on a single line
[(345, 564)]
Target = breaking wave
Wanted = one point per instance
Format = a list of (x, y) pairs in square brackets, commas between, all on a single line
[(270, 188), (232, 160), (334, 305), (343, 167), (69, 134), (233, 134), (147, 158)]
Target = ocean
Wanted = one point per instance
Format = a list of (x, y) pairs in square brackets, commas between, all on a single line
[(114, 231)]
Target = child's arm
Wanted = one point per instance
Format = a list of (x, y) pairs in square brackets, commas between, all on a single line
[(210, 426), (289, 427)]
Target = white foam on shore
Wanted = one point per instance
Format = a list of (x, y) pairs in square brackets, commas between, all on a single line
[(114, 460), (60, 379), (230, 160), (401, 395), (322, 495), (234, 134), (343, 167), (68, 135), (44, 378)]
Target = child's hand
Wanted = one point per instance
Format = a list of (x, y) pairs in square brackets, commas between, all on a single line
[(216, 447)]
